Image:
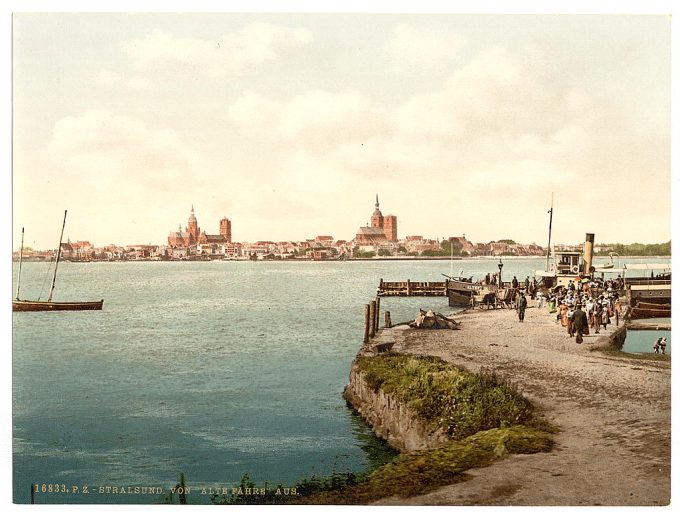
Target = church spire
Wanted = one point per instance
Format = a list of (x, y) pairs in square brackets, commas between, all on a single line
[(377, 212)]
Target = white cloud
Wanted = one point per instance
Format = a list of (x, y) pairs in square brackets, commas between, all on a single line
[(415, 49), (494, 117), (252, 113), (104, 149), (314, 120), (230, 54), (138, 82), (110, 79), (107, 77)]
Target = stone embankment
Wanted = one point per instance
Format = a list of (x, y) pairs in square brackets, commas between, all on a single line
[(390, 419), (613, 412)]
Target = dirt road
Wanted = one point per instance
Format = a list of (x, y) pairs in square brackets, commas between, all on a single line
[(614, 414)]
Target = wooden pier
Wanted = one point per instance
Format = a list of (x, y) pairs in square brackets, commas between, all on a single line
[(409, 288), (648, 326)]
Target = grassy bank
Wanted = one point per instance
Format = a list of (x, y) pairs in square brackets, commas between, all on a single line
[(485, 418), (446, 396), (424, 471)]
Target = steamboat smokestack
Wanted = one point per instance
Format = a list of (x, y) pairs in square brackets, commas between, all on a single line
[(588, 253)]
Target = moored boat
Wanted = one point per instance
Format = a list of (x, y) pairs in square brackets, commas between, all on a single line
[(26, 305), (650, 310), (19, 305)]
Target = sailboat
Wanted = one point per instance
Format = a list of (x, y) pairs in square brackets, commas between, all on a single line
[(19, 305)]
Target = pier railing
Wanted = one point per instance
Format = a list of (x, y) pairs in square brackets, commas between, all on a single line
[(409, 288)]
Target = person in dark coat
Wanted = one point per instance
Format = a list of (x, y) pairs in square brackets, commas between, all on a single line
[(521, 306), (515, 282), (580, 323)]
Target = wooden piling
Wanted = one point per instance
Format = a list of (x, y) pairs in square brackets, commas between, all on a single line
[(377, 313), (388, 320), (367, 323), (182, 489), (371, 328)]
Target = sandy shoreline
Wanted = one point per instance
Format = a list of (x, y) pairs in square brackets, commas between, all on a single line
[(614, 413)]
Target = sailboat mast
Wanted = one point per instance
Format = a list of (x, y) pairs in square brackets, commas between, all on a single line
[(21, 257), (56, 264), (451, 259), (547, 258)]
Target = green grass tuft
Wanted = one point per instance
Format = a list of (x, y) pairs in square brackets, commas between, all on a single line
[(446, 396), (424, 471)]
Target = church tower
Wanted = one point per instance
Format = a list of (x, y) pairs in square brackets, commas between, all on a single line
[(377, 217), (193, 229), (225, 229)]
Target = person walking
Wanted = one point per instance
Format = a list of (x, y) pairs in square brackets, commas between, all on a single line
[(521, 306), (604, 318), (597, 317), (580, 323), (617, 311), (515, 282)]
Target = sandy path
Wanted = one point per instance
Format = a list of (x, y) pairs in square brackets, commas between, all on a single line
[(614, 414)]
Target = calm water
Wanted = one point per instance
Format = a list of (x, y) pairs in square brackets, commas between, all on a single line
[(213, 369)]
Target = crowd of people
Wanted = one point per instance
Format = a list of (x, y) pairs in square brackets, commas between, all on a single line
[(583, 305)]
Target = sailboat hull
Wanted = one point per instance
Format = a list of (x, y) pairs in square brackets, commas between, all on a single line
[(25, 305)]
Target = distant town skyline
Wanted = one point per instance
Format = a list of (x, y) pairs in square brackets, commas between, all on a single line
[(289, 124)]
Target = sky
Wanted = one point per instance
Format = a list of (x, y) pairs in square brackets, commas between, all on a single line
[(289, 125)]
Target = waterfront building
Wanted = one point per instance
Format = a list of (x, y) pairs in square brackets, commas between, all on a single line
[(324, 240), (79, 250), (380, 230), (193, 234)]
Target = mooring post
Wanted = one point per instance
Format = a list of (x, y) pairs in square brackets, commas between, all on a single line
[(371, 330), (182, 489), (377, 313), (388, 320), (367, 321)]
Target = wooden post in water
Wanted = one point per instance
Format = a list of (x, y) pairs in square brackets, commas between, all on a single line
[(367, 323), (408, 287), (377, 313), (182, 489), (388, 320), (371, 328)]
